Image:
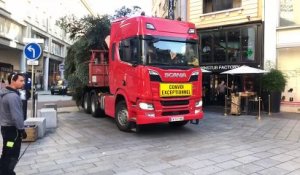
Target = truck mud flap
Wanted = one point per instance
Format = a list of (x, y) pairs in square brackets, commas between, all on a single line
[(195, 122)]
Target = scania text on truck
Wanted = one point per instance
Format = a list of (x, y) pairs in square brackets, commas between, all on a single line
[(150, 74)]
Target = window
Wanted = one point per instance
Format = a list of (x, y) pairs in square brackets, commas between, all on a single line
[(220, 46), (160, 52), (218, 5), (289, 12), (10, 29), (128, 50), (206, 49), (46, 40), (248, 44), (57, 48), (229, 45), (233, 45)]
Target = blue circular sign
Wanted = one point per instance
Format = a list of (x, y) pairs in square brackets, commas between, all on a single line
[(32, 51)]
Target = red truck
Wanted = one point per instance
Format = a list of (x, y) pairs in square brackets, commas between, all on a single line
[(150, 74)]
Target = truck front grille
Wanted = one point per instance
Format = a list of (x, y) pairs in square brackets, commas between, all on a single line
[(174, 102), (175, 113)]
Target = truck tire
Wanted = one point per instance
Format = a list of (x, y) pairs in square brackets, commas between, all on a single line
[(121, 117), (95, 107), (178, 124), (87, 103)]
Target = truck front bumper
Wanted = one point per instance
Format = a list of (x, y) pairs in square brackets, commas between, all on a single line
[(149, 117)]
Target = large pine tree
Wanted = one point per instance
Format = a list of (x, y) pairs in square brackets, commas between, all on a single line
[(89, 34)]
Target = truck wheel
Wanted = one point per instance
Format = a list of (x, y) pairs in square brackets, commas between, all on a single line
[(87, 103), (95, 107), (121, 117), (178, 124)]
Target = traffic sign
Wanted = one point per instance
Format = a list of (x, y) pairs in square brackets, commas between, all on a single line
[(61, 67), (32, 51), (32, 62)]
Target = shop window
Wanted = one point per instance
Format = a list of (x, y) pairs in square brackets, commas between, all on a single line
[(206, 48), (289, 12), (218, 5), (248, 44), (220, 46), (233, 45)]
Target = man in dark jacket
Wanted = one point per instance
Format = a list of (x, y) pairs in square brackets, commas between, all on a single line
[(12, 123)]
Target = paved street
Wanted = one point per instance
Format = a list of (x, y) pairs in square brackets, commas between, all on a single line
[(232, 145)]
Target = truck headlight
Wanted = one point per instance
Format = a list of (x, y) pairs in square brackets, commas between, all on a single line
[(146, 106), (198, 104)]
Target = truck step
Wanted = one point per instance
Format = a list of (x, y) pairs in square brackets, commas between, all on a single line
[(195, 122)]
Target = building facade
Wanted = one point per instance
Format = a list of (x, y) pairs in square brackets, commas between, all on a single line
[(35, 19), (288, 51), (161, 8), (231, 34), (259, 33)]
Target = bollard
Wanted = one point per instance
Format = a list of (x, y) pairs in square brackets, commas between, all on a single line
[(225, 112), (35, 104), (258, 117), (269, 98)]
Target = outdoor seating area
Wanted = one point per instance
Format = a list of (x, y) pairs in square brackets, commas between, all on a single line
[(246, 102)]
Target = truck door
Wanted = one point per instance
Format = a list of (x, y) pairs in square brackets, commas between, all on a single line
[(126, 70)]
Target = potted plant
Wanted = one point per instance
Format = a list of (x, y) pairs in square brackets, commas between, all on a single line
[(273, 83)]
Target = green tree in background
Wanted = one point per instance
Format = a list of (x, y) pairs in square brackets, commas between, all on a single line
[(124, 11), (89, 33)]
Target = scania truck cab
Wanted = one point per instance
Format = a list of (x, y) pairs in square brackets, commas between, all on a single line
[(150, 74)]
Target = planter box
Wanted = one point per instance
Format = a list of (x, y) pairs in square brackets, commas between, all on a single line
[(40, 123), (275, 99), (32, 133), (50, 114)]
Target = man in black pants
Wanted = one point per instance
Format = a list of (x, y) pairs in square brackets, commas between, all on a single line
[(12, 123)]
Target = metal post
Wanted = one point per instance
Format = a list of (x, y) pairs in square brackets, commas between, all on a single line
[(225, 112), (35, 103), (269, 96), (258, 117), (32, 91)]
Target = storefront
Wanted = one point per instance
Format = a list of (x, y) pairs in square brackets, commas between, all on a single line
[(225, 48), (288, 53), (289, 63)]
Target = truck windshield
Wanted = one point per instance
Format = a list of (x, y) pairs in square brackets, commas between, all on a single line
[(162, 52)]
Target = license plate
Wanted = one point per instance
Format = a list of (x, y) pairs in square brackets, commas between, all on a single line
[(176, 119), (175, 90)]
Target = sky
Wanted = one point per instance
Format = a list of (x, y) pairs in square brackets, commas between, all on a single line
[(109, 6), (59, 8)]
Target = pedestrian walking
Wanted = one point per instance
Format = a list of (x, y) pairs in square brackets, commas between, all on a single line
[(12, 123), (221, 89)]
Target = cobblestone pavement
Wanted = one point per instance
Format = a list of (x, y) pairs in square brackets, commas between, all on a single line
[(222, 145)]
